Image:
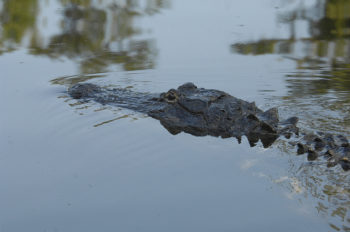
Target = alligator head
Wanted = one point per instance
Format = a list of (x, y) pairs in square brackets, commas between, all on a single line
[(200, 112)]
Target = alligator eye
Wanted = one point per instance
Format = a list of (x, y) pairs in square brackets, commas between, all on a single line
[(171, 97)]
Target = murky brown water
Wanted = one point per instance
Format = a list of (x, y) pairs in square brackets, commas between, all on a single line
[(67, 166)]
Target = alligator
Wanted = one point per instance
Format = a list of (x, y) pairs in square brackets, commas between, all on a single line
[(201, 112)]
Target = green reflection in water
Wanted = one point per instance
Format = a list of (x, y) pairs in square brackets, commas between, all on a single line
[(322, 58), (96, 36), (329, 37), (17, 19)]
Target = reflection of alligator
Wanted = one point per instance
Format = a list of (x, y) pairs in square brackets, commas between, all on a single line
[(203, 112)]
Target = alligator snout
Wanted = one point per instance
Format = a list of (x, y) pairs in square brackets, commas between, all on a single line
[(85, 90)]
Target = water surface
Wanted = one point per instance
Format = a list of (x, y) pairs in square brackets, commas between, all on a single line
[(68, 166)]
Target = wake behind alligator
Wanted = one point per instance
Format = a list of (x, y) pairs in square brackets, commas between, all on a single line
[(201, 112)]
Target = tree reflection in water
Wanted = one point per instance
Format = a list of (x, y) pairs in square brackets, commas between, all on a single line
[(95, 35), (322, 59)]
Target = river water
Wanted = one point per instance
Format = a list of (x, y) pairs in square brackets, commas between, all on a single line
[(72, 166)]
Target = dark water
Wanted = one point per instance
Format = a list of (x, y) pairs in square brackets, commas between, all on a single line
[(68, 166)]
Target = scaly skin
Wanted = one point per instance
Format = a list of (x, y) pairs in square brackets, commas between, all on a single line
[(201, 112)]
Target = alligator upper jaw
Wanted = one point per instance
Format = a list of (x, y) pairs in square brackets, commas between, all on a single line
[(85, 90)]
